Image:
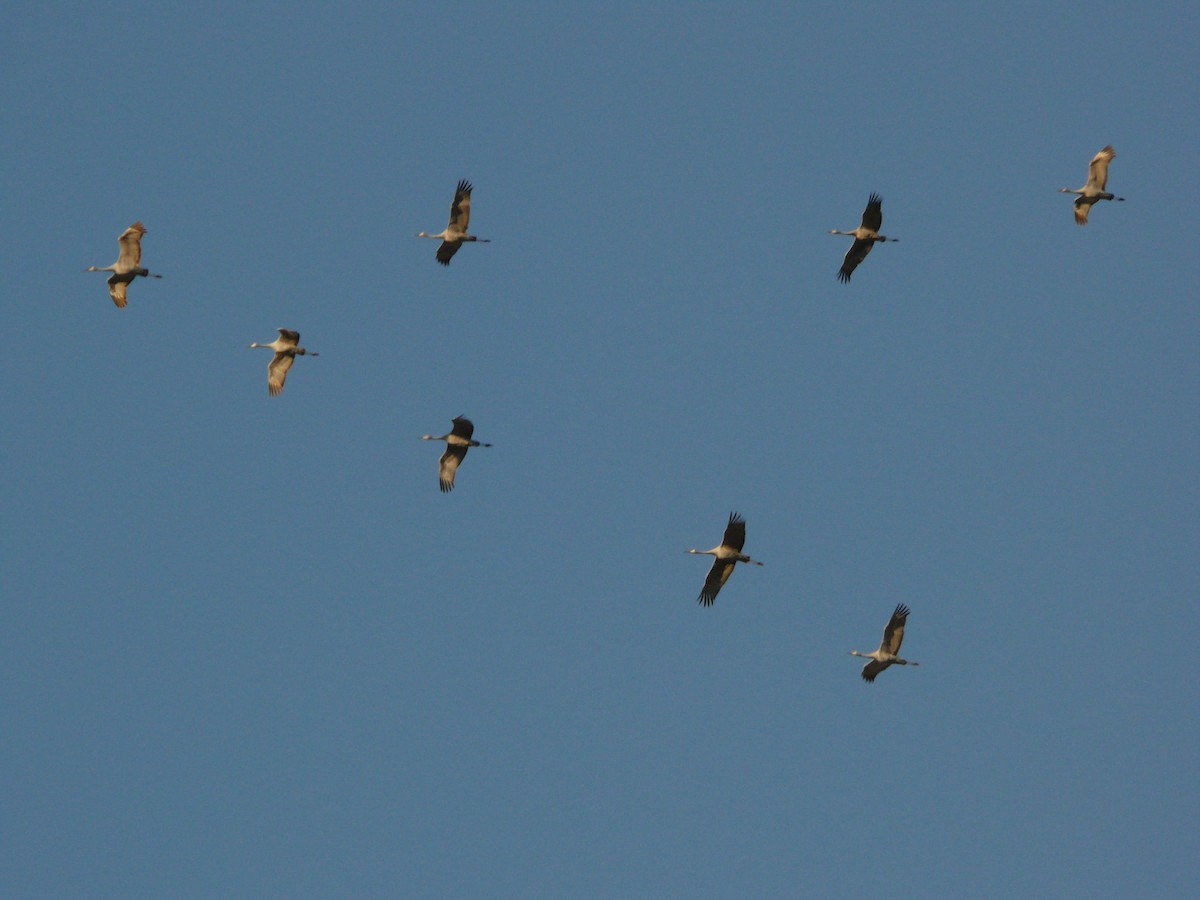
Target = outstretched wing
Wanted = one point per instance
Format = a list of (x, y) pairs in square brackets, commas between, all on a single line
[(873, 214), (873, 668), (1083, 206), (116, 289), (735, 534), (717, 576), (446, 250), (1098, 168), (463, 427), (857, 253), (460, 209), (291, 338), (131, 246), (277, 370), (448, 465), (893, 635)]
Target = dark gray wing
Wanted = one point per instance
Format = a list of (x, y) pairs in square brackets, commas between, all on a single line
[(873, 668), (873, 214), (893, 635), (735, 533), (447, 249), (717, 576), (857, 253)]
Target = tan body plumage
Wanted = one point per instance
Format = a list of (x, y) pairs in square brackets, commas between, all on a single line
[(458, 441), (128, 265), (865, 237), (727, 554), (1094, 190), (455, 233), (287, 348), (889, 648)]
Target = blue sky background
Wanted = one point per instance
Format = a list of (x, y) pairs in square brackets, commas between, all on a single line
[(249, 648)]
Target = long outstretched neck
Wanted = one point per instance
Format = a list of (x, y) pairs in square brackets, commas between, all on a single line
[(703, 552), (434, 437), (111, 268), (423, 234), (1070, 190)]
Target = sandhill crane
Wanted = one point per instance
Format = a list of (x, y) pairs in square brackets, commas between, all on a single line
[(728, 554), (1094, 189), (865, 236), (127, 267), (458, 441), (893, 637), (286, 348), (456, 232)]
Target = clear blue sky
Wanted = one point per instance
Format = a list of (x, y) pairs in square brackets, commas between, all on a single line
[(248, 648)]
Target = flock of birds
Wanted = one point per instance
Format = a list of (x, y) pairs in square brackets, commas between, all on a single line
[(727, 554)]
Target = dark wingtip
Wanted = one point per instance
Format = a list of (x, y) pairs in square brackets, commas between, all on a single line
[(843, 277)]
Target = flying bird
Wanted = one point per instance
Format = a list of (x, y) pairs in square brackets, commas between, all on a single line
[(287, 348), (458, 441), (865, 236), (893, 637), (728, 554), (456, 232), (1094, 189), (128, 264)]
